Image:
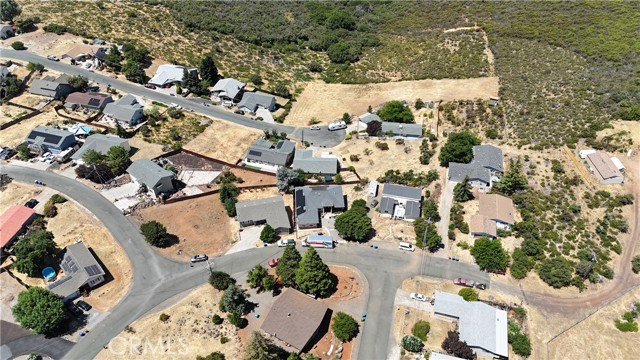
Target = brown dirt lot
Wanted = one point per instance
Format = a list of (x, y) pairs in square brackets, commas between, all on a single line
[(189, 332), (328, 102), (201, 225), (16, 134), (17, 193), (43, 43), (144, 150), (223, 140)]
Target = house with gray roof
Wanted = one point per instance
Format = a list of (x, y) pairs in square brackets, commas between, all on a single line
[(305, 161), (6, 31), (228, 89), (270, 211), (101, 143), (485, 168), (252, 101), (369, 117), (483, 327), (400, 202), (264, 152), (57, 88), (157, 179), (169, 74), (82, 272), (87, 100), (43, 139), (126, 110), (313, 201), (399, 129)]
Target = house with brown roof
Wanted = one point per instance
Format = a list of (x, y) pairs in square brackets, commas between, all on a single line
[(296, 319), (88, 100), (83, 52), (497, 208), (481, 225), (604, 169), (13, 222)]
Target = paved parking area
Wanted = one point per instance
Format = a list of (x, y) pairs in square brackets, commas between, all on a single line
[(265, 115)]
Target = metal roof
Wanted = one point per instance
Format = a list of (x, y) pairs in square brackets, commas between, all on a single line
[(271, 209), (309, 200), (369, 117), (12, 221), (101, 143), (479, 324), (147, 172), (305, 161), (603, 165), (401, 191), (412, 210), (229, 87), (79, 267)]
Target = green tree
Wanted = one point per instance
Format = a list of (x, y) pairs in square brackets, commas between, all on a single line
[(228, 190), (468, 294), (230, 206), (155, 233), (346, 118), (78, 83), (268, 234), (395, 111), (287, 179), (208, 69), (24, 151), (234, 299), (18, 45), (556, 272), (9, 9), (269, 282), (513, 180), (236, 319), (256, 276), (92, 157), (344, 326), (344, 52), (113, 59), (282, 90), (220, 280), (26, 25), (12, 86), (256, 79), (134, 72), (430, 210), (412, 343), (635, 264), (421, 329), (462, 191), (354, 224), (419, 104), (262, 348), (118, 159), (313, 275), (189, 80), (287, 266), (34, 252), (217, 355), (374, 128), (40, 310), (35, 67), (490, 255), (458, 148), (340, 19)]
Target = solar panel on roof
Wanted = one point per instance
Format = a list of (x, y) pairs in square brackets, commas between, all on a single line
[(255, 153), (92, 270), (65, 267), (48, 138), (74, 268)]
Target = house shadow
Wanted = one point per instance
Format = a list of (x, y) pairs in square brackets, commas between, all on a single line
[(323, 329), (133, 151)]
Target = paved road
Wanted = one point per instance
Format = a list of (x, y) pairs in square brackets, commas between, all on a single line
[(157, 279)]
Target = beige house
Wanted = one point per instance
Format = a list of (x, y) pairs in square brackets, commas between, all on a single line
[(604, 169), (497, 208)]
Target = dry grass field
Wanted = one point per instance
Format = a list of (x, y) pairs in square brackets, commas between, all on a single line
[(328, 102), (15, 134), (224, 141)]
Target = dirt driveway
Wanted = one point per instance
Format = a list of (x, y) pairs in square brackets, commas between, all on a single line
[(328, 102)]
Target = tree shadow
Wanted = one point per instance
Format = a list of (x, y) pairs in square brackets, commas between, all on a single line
[(171, 240)]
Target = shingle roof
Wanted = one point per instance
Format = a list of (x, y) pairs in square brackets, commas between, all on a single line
[(265, 151), (387, 204), (168, 73), (79, 267), (49, 136), (89, 99), (123, 109), (412, 210), (229, 87), (369, 117), (310, 199), (147, 172), (604, 165), (251, 101), (497, 207), (488, 156), (48, 86), (305, 161), (12, 221), (481, 224), (479, 324), (474, 171), (85, 49), (270, 209), (100, 143), (402, 129), (408, 192), (294, 318)]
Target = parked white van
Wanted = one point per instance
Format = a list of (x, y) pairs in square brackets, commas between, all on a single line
[(406, 246), (338, 125)]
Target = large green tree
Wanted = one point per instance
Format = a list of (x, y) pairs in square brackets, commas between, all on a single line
[(9, 9), (234, 299), (262, 348), (268, 234), (208, 69), (118, 159), (40, 310), (458, 148), (430, 210), (313, 275), (256, 276), (287, 266), (395, 111), (220, 280), (34, 252), (134, 72), (489, 254), (78, 83), (344, 326), (92, 157), (513, 180), (556, 272), (426, 235), (462, 191), (354, 224), (113, 58), (155, 233)]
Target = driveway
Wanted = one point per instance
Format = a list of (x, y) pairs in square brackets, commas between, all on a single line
[(446, 200), (322, 138)]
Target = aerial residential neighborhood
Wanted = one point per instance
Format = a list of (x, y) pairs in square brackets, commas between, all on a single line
[(307, 180)]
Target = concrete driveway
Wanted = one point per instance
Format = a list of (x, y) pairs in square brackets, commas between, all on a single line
[(322, 138)]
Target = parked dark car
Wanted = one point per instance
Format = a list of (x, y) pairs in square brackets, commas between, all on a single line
[(31, 203), (83, 305), (73, 309), (239, 112), (374, 203), (7, 153)]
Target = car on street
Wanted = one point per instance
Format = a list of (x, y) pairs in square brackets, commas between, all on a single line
[(314, 127), (73, 309), (199, 258), (52, 58), (150, 86), (31, 203), (286, 242), (406, 246), (185, 93), (7, 153), (464, 282), (83, 305), (374, 203), (481, 286), (419, 297), (239, 112), (273, 262)]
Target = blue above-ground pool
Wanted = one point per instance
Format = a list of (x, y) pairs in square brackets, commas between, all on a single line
[(48, 273)]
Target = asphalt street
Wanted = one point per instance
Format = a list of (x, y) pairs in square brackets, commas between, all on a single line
[(157, 279)]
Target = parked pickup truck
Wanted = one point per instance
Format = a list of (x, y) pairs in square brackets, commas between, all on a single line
[(469, 283)]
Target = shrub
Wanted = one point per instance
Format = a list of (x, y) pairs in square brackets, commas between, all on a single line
[(236, 319), (635, 264), (55, 28), (217, 355), (221, 280), (412, 344), (344, 326), (18, 45), (155, 233), (224, 340), (50, 210), (256, 80), (489, 254), (164, 317), (57, 199), (216, 319), (468, 294), (338, 179), (421, 329), (382, 145), (556, 272), (354, 157), (491, 133), (521, 344), (268, 234)]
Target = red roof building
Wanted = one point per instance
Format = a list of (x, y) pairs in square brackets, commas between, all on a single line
[(13, 222)]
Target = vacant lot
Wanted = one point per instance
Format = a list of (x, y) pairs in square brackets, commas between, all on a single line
[(16, 134), (143, 149), (224, 141), (187, 333), (17, 193), (327, 102), (201, 226)]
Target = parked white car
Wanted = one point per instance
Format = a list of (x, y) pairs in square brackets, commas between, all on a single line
[(44, 156), (419, 297), (314, 127), (406, 246), (286, 242)]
